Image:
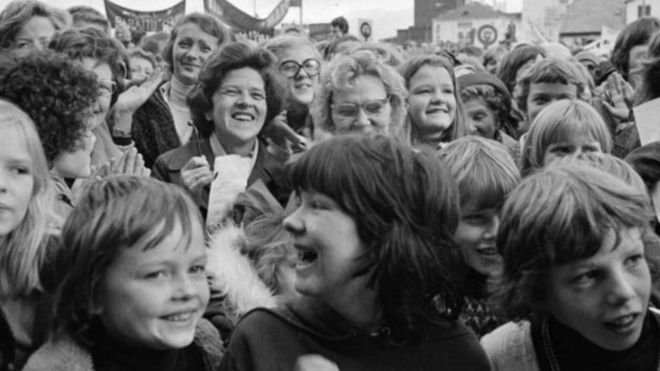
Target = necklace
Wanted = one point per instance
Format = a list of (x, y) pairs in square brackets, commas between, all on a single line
[(547, 346)]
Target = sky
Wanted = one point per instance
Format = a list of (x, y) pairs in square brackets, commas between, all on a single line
[(387, 15)]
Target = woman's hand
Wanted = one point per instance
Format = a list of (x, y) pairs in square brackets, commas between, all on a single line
[(281, 134), (315, 362), (619, 96), (196, 174), (130, 162), (130, 100)]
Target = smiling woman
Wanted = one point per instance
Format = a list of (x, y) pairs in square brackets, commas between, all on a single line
[(237, 95)]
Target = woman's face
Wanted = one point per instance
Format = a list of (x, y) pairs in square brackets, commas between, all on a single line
[(636, 58), (480, 119), (362, 107), (155, 297), (191, 48), (432, 103), (239, 106), (303, 60), (76, 163), (36, 33), (604, 297), (330, 252), (16, 178)]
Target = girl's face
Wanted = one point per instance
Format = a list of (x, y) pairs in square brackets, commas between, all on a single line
[(239, 106), (16, 178), (77, 163), (476, 235), (330, 252), (154, 298), (574, 145), (604, 297), (363, 107), (36, 33), (301, 67), (191, 48), (432, 102)]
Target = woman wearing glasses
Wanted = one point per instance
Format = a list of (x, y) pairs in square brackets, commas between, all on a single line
[(236, 97), (359, 94), (299, 64)]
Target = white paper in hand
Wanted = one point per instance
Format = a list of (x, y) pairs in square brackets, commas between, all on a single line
[(647, 119), (230, 176)]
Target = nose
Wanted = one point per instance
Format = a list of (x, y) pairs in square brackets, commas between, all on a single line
[(621, 288), (362, 120), (194, 51), (472, 128), (185, 288), (492, 227), (294, 223), (244, 99)]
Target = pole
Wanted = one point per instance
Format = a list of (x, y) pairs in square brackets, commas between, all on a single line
[(301, 19)]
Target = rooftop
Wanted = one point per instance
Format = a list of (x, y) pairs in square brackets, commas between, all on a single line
[(589, 16)]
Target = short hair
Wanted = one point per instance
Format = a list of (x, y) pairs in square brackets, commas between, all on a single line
[(341, 23), (386, 52), (495, 53), (414, 64), (498, 103), (86, 15), (55, 92), (19, 12), (342, 73), (512, 61), (636, 33), (206, 22), (24, 251), (607, 163), (646, 162), (483, 169), (278, 45), (551, 70), (558, 122), (113, 214), (143, 54), (405, 208), (333, 47), (233, 56), (557, 216), (93, 43)]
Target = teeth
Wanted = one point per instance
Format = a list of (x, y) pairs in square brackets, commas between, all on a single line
[(180, 317), (242, 116), (624, 321)]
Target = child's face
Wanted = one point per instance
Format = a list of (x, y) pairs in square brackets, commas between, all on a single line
[(16, 178), (155, 298), (77, 163), (542, 94), (604, 297), (432, 103), (576, 144), (480, 119), (476, 235)]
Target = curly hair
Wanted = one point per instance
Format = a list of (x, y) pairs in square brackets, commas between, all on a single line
[(496, 102), (231, 57), (406, 210), (19, 12), (636, 33), (206, 22), (342, 73), (55, 92), (560, 215), (85, 16)]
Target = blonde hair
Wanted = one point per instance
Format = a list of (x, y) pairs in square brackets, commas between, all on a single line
[(560, 121), (24, 252)]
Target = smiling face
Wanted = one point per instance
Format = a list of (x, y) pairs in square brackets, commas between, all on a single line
[(154, 298), (330, 252), (36, 33), (141, 69), (604, 297), (302, 85), (366, 88), (106, 83), (476, 234), (16, 178), (432, 101), (239, 106), (191, 48)]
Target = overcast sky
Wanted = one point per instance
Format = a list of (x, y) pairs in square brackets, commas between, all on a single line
[(387, 15)]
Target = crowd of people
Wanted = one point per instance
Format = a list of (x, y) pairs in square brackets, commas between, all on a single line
[(201, 201)]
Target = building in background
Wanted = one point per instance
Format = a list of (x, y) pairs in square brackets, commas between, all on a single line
[(587, 21), (636, 9), (475, 24), (542, 20), (425, 12)]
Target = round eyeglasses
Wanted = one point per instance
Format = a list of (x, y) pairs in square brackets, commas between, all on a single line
[(291, 68)]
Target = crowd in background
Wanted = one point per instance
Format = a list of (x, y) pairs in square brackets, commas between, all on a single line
[(207, 199)]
